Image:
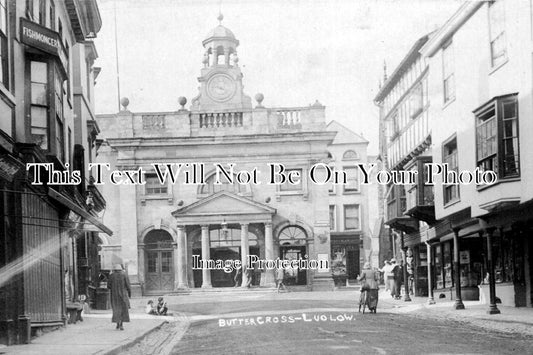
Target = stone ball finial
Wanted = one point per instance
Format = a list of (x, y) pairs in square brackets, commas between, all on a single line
[(220, 17), (259, 98), (182, 100), (125, 102)]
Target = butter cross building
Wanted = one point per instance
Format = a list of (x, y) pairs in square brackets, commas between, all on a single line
[(162, 228)]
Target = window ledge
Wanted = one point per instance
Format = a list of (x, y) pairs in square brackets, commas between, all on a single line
[(448, 103), (351, 192), (167, 197), (279, 194), (451, 203), (496, 67), (499, 181), (7, 95)]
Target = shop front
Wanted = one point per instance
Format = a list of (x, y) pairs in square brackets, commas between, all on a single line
[(345, 257)]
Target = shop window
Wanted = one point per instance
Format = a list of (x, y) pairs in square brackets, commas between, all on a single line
[(498, 46), (352, 179), (448, 73), (39, 103), (332, 218), (437, 261), (449, 156), (351, 217), (154, 187), (3, 43), (338, 262), (497, 137), (447, 264)]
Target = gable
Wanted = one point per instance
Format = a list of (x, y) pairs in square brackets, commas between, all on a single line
[(344, 135)]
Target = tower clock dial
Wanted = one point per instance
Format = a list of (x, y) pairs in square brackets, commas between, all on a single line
[(221, 87)]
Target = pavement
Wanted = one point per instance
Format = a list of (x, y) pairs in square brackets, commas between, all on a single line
[(97, 335)]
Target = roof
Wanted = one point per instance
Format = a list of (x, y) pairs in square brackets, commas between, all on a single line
[(344, 135), (220, 32), (402, 67)]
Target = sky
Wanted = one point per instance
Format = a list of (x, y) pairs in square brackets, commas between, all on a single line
[(292, 51)]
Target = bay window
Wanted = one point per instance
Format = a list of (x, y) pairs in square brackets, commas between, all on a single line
[(39, 104), (497, 142)]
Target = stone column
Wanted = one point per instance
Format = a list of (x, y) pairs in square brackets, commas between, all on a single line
[(206, 273), (431, 299), (244, 252), (269, 255), (457, 270), (493, 309), (182, 258)]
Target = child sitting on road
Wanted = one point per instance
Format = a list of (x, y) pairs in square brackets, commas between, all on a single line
[(162, 307), (150, 309)]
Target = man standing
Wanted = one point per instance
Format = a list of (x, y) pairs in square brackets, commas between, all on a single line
[(393, 279), (119, 285)]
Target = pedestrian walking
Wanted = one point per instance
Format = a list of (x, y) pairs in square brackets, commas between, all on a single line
[(238, 277), (392, 279), (387, 275), (398, 277), (280, 274), (119, 285), (369, 279)]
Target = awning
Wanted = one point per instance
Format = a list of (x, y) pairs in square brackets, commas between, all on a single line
[(62, 199)]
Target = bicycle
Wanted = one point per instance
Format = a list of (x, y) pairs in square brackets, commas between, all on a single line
[(362, 300)]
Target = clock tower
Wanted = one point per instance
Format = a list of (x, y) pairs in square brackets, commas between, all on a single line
[(221, 88)]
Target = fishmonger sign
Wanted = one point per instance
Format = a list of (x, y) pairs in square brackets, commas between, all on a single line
[(44, 39)]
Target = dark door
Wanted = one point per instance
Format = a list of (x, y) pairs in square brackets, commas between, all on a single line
[(294, 276), (159, 270), (352, 263)]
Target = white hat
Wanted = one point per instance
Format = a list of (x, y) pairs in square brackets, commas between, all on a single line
[(117, 267)]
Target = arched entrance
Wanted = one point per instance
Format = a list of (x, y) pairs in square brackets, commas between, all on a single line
[(293, 246), (159, 251), (224, 244)]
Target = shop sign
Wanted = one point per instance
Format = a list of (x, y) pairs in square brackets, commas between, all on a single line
[(464, 257), (44, 39)]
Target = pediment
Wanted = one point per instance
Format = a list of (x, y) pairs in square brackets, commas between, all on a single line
[(226, 203)]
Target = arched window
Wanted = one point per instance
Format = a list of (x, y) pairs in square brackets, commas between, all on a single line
[(292, 235), (350, 155), (158, 238)]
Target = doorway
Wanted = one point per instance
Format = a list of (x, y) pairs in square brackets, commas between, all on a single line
[(159, 276), (294, 276)]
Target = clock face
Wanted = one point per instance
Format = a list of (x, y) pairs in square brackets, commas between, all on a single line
[(220, 87)]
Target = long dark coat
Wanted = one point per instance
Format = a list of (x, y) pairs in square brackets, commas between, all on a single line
[(119, 285)]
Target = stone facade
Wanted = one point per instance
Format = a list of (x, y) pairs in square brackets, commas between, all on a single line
[(160, 228)]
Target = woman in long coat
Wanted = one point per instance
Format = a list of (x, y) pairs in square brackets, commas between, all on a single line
[(370, 285), (119, 285)]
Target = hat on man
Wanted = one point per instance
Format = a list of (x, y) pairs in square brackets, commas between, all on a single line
[(366, 265), (393, 261), (117, 267), (387, 262)]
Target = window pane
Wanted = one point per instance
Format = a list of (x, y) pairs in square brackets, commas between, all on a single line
[(39, 94), (509, 110), (166, 261), (351, 217), (332, 217), (352, 183), (39, 117), (152, 262), (39, 72), (39, 136)]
